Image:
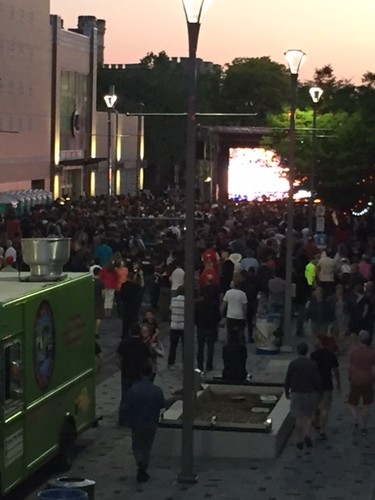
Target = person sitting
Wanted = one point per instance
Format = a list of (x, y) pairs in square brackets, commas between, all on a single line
[(234, 358)]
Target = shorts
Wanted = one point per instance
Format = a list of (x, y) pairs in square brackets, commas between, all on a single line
[(302, 404), (109, 295), (324, 400), (365, 391)]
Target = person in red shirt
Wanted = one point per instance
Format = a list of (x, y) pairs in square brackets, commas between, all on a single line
[(362, 377), (109, 278), (209, 275), (211, 255)]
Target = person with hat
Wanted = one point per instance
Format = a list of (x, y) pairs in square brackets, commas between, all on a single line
[(362, 376)]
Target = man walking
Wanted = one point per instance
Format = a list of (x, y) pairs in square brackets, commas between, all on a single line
[(144, 402), (361, 376), (133, 353), (302, 382), (327, 365)]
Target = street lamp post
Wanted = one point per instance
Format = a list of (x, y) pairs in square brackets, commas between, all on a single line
[(315, 93), (193, 11), (294, 59), (110, 100)]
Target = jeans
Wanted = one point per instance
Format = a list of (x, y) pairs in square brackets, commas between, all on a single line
[(126, 383), (142, 441), (240, 324), (174, 337), (208, 335)]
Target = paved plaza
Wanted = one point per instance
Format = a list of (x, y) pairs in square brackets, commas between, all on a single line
[(341, 468)]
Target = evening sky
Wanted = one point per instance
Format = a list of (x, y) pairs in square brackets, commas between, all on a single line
[(336, 32)]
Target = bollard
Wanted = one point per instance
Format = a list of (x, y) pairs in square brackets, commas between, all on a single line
[(78, 483)]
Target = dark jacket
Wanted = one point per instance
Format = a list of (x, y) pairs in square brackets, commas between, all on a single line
[(143, 403), (207, 313), (133, 352), (302, 376)]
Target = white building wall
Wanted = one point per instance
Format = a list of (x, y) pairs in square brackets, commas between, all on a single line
[(127, 151), (25, 93)]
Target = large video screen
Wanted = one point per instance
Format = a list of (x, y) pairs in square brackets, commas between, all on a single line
[(256, 174)]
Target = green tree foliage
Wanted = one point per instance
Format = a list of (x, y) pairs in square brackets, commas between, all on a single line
[(257, 85), (345, 148)]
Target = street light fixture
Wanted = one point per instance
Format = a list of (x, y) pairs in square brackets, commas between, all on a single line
[(294, 59), (110, 100), (315, 94), (193, 12)]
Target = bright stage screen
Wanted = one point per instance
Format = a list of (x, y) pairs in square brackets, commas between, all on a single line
[(255, 174)]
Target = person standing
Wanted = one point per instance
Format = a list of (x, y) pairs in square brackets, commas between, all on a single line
[(133, 352), (108, 276), (234, 358), (207, 319), (302, 382), (177, 279), (234, 306), (103, 252), (327, 365), (144, 401), (177, 325), (130, 292), (362, 377)]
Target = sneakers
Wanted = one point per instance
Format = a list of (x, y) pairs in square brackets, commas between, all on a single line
[(308, 441), (323, 436), (142, 476), (171, 367)]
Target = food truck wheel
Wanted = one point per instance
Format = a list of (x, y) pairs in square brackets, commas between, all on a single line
[(66, 448)]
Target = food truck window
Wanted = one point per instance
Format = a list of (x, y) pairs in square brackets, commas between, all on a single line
[(13, 387)]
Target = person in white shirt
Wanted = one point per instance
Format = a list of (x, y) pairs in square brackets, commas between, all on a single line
[(177, 324), (177, 279), (234, 307)]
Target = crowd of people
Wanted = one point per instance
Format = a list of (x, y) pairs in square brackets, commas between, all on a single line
[(134, 247)]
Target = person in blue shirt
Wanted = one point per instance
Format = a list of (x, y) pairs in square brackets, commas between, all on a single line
[(143, 404), (104, 253)]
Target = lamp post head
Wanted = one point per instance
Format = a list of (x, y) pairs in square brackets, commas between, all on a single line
[(194, 10), (295, 59), (111, 98), (315, 94)]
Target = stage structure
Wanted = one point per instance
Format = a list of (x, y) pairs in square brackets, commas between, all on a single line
[(231, 160)]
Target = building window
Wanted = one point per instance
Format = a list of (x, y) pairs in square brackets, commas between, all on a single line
[(13, 386)]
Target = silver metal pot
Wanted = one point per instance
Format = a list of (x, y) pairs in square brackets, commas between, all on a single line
[(45, 256)]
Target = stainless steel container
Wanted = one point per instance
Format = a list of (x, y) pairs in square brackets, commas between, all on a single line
[(45, 256)]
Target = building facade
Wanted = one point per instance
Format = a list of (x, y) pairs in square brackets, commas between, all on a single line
[(25, 95)]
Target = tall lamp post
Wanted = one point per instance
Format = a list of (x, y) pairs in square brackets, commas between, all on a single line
[(294, 59), (110, 100), (315, 94), (193, 11)]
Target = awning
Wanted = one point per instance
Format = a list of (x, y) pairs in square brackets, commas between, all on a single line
[(82, 161)]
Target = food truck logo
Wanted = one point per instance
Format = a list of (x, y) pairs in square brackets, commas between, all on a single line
[(44, 344)]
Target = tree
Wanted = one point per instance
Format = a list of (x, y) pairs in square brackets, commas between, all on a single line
[(257, 85)]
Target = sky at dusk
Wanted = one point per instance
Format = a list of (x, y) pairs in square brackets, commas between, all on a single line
[(336, 32)]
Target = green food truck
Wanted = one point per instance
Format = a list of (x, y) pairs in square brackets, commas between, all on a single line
[(47, 361)]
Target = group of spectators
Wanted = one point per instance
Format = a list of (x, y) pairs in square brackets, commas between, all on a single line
[(134, 246)]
